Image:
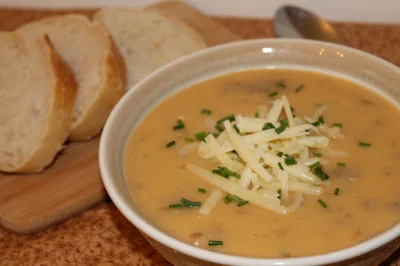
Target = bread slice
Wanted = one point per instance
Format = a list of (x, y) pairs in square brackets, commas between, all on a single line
[(37, 96), (99, 68), (148, 39)]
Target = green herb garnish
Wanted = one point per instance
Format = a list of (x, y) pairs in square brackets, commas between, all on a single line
[(320, 173), (316, 123), (229, 117), (337, 125), (321, 120), (190, 204), (341, 164), (175, 206), (279, 191), (268, 125), (201, 190), (239, 200), (228, 198), (315, 165), (279, 154), (235, 127), (283, 126), (243, 203), (219, 127), (318, 154), (364, 144), (215, 243), (189, 140), (280, 84), (171, 143), (180, 125), (299, 88), (337, 191), (290, 160), (201, 135), (273, 94), (280, 166), (206, 112), (225, 172), (323, 204), (257, 115)]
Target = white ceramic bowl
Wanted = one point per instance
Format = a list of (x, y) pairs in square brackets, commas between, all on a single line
[(267, 53)]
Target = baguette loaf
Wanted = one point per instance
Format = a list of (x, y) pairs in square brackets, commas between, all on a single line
[(148, 39), (37, 96), (98, 67)]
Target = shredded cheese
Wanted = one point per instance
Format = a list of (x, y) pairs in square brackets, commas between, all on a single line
[(270, 168)]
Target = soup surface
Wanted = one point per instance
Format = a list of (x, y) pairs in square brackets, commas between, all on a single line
[(369, 182)]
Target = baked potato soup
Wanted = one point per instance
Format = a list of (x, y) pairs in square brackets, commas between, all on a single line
[(268, 163)]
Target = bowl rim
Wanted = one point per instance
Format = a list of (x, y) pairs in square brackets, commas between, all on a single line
[(211, 256)]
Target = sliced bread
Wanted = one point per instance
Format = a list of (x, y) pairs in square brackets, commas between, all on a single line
[(37, 96), (148, 39), (98, 67)]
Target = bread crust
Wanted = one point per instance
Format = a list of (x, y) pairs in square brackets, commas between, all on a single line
[(60, 120), (90, 121), (109, 94)]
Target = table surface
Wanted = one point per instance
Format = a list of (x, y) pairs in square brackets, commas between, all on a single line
[(102, 236)]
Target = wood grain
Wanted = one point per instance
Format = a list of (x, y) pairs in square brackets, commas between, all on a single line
[(102, 236)]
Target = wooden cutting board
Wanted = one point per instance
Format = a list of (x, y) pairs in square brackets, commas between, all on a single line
[(73, 183)]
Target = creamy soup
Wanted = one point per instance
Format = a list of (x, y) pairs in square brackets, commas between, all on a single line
[(360, 199)]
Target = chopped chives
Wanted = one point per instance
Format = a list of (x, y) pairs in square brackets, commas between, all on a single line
[(341, 164), (337, 191), (321, 120), (272, 94), (237, 199), (190, 204), (215, 135), (316, 123), (228, 198), (268, 125), (201, 190), (280, 84), (219, 127), (323, 204), (214, 243), (225, 172), (220, 172), (175, 206), (179, 126), (291, 108), (171, 143), (280, 154), (243, 203), (316, 164), (318, 154), (319, 173), (299, 88), (279, 191), (257, 115), (283, 126), (189, 140), (290, 160), (280, 166), (206, 112), (229, 117), (364, 144), (235, 127), (337, 125), (201, 135)]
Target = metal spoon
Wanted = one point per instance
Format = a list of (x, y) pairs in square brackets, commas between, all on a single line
[(295, 22)]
